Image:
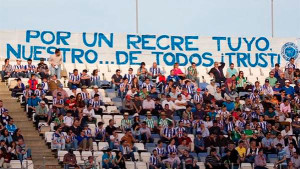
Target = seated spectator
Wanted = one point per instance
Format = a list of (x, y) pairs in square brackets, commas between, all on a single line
[(193, 73), (11, 127), (41, 113), (281, 156), (7, 70), (127, 150), (120, 160), (96, 103), (295, 160), (85, 79), (172, 161), (18, 70), (154, 72), (213, 160), (58, 139), (53, 84), (260, 161), (114, 141), (145, 133), (42, 69), (23, 152), (173, 77), (142, 72), (189, 160), (100, 132), (148, 105), (85, 142), (116, 80), (168, 132), (70, 160), (32, 82), (19, 88), (71, 142), (74, 79), (88, 114), (61, 91), (95, 78), (32, 103), (68, 119), (155, 161), (108, 160)]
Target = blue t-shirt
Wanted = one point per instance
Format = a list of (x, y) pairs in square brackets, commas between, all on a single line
[(231, 71), (105, 156), (174, 78), (229, 106), (290, 90)]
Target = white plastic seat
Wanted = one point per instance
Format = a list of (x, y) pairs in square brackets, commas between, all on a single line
[(246, 166), (201, 165), (141, 165), (139, 146), (86, 154), (48, 137), (111, 109), (95, 146), (106, 119), (118, 119), (145, 156), (61, 154), (129, 165), (102, 145)]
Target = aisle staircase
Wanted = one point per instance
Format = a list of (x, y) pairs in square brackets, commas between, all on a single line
[(41, 154)]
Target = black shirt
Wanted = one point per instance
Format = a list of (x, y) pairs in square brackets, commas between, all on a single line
[(109, 130), (117, 79), (76, 130)]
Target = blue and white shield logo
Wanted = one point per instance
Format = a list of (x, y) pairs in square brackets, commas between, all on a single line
[(289, 50)]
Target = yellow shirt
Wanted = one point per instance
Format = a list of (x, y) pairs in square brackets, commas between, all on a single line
[(241, 151)]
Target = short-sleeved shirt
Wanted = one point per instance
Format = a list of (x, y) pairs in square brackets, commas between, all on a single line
[(231, 72), (117, 79)]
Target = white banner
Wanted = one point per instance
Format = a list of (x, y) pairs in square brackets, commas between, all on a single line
[(132, 49)]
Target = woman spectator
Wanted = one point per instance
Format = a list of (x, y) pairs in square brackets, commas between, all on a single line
[(12, 151), (95, 78), (142, 72), (171, 148), (6, 137), (207, 122), (177, 71), (17, 135), (120, 160), (79, 104), (4, 158), (135, 83), (241, 82)]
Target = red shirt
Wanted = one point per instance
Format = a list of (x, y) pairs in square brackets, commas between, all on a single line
[(188, 140), (32, 84)]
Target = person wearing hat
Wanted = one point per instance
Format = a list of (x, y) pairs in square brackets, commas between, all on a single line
[(42, 69), (198, 98), (18, 70), (267, 89), (288, 89), (7, 70), (126, 123), (41, 113), (85, 79), (163, 121), (151, 123), (32, 103), (74, 79)]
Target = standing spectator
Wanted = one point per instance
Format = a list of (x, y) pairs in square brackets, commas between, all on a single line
[(55, 63), (217, 72), (7, 70)]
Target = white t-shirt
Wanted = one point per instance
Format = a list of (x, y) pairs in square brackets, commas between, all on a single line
[(90, 113), (68, 121), (170, 103), (179, 102)]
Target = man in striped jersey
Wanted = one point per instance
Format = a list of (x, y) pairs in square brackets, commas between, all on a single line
[(29, 68), (126, 122), (2, 109), (155, 161), (168, 133), (129, 75), (154, 72), (96, 103), (74, 79), (151, 123), (19, 70)]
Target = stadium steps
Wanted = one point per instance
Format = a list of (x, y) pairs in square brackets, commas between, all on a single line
[(41, 154)]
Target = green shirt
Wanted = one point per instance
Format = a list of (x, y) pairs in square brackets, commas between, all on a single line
[(150, 122), (164, 122), (272, 81), (248, 132), (126, 123), (270, 115)]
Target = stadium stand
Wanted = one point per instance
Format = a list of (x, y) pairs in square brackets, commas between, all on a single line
[(149, 116)]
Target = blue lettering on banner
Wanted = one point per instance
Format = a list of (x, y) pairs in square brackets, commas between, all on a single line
[(163, 49)]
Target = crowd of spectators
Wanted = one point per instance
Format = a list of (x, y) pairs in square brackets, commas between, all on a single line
[(232, 119)]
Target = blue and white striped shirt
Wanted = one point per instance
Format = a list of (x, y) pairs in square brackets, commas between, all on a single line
[(31, 67), (130, 77), (74, 77), (154, 71), (148, 86)]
